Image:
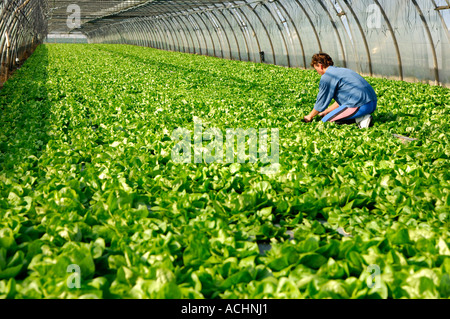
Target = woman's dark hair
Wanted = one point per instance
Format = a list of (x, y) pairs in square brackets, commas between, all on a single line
[(323, 59)]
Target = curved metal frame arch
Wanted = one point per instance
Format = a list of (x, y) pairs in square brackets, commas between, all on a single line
[(281, 32), (209, 32), (219, 10), (172, 33), (296, 31), (447, 32), (141, 35), (169, 21), (166, 45), (126, 32), (196, 27), (267, 33), (170, 26), (11, 44), (311, 23), (155, 36), (164, 39), (186, 29), (198, 47), (346, 33), (137, 32), (186, 39), (242, 31), (20, 38), (394, 38), (366, 44), (183, 17), (194, 48), (208, 18), (15, 42), (106, 36), (333, 23), (102, 35), (162, 44), (128, 26), (221, 30), (193, 17), (146, 30), (119, 33), (6, 40), (248, 21), (430, 38), (253, 31), (8, 43)]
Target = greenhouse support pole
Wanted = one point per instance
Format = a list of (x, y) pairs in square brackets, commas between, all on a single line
[(180, 18), (267, 33), (281, 32), (438, 10), (253, 32), (186, 32), (178, 35), (197, 30), (363, 35), (316, 34), (333, 23), (241, 25), (199, 14), (296, 32), (232, 31), (222, 30), (430, 38), (215, 27), (172, 32), (394, 38), (8, 44)]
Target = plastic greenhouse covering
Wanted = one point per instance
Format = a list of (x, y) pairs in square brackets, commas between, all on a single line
[(399, 39)]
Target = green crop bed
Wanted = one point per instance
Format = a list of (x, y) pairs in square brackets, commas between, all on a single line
[(93, 206)]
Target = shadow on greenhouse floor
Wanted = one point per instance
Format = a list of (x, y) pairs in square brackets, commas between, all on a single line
[(385, 117), (25, 108)]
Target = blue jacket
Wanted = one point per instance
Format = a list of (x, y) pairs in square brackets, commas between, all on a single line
[(346, 87)]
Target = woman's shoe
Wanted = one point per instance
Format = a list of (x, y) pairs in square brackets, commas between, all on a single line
[(365, 121)]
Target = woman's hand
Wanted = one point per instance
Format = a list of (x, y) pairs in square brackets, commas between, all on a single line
[(306, 119), (309, 118)]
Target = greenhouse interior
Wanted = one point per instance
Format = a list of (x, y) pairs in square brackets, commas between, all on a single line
[(225, 150)]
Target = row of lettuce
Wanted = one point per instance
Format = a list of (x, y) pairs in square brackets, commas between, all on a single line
[(92, 204)]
